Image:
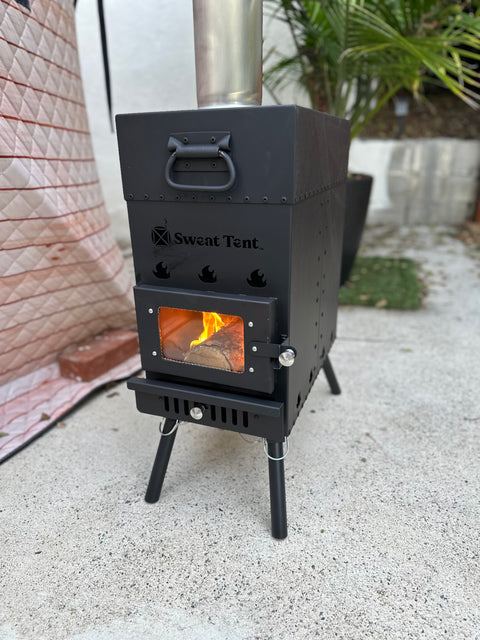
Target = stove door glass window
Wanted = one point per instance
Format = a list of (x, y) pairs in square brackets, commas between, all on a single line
[(208, 339)]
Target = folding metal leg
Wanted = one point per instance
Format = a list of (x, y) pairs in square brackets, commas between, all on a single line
[(169, 433), (331, 379), (278, 504)]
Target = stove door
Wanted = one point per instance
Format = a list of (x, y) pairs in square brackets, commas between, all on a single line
[(208, 337)]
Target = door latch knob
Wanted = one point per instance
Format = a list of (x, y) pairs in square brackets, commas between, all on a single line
[(287, 357)]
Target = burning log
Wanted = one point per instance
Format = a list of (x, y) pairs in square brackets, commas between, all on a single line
[(176, 328), (222, 350)]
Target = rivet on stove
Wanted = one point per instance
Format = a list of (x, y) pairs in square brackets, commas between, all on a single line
[(154, 353), (150, 310), (250, 324), (251, 370), (254, 349)]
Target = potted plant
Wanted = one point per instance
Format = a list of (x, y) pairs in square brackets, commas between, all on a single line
[(353, 56)]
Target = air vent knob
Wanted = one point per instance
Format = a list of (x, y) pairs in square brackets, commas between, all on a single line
[(197, 412)]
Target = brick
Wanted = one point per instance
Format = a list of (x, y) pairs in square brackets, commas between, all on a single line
[(95, 357)]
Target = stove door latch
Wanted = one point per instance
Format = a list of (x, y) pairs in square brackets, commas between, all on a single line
[(283, 355), (192, 149)]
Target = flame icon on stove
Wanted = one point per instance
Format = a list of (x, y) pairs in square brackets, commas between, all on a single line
[(208, 274), (161, 271), (257, 279)]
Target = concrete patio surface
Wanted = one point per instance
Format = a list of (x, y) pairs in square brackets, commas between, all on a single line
[(382, 490)]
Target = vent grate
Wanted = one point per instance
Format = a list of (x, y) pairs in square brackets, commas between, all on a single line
[(216, 415)]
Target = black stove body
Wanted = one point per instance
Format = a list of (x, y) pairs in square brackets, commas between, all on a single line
[(235, 212)]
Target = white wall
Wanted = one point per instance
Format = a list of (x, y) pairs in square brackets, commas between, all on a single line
[(151, 52), (152, 68)]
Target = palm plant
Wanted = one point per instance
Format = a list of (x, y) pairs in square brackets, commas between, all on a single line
[(352, 56)]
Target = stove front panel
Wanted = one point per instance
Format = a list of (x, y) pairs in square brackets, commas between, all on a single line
[(234, 212), (233, 353), (224, 248)]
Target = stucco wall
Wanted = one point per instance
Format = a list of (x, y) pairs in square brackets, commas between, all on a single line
[(151, 66), (424, 181)]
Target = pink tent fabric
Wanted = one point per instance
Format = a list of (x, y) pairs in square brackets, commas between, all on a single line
[(63, 278)]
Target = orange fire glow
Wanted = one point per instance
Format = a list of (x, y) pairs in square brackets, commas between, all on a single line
[(212, 322)]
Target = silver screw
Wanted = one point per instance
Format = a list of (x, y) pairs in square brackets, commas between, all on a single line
[(150, 311), (287, 358), (251, 369), (154, 353), (196, 413), (250, 324), (254, 348)]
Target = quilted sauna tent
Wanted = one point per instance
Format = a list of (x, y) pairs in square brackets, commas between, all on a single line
[(62, 275)]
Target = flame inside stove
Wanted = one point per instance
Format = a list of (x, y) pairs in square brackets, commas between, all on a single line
[(212, 322)]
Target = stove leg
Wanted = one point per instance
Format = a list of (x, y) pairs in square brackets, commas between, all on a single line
[(331, 379), (161, 460), (278, 504)]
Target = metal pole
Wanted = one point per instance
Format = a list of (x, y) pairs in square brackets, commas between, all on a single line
[(169, 433), (278, 503), (228, 52), (331, 377)]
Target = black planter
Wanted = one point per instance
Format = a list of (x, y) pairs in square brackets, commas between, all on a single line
[(359, 187)]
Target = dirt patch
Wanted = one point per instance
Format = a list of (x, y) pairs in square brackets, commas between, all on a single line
[(443, 115)]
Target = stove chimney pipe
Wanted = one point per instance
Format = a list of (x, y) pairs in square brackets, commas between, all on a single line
[(228, 52)]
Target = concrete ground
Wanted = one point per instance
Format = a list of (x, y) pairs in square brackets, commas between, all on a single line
[(382, 491)]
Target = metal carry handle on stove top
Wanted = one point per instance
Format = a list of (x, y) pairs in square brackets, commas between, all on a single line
[(181, 149)]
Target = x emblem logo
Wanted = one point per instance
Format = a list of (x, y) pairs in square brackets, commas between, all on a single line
[(161, 236)]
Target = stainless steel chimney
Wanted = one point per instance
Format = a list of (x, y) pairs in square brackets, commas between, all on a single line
[(228, 52)]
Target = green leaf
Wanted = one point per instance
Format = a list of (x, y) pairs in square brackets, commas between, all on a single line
[(352, 55)]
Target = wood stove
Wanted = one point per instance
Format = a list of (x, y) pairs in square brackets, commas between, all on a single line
[(236, 220)]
